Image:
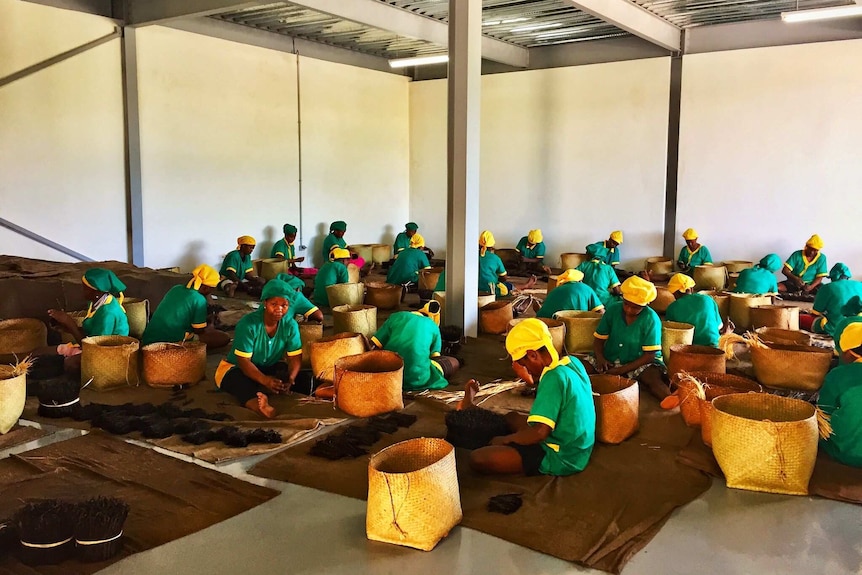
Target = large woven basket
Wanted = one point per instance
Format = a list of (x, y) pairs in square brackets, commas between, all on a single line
[(327, 350), (740, 308), (659, 265), (555, 326), (580, 327), (783, 336), (552, 283), (13, 395), (662, 300), (714, 385), (364, 251), (485, 299), (764, 442), (722, 300), (780, 316), (736, 266), (110, 360), (571, 260), (353, 273), (383, 295), (271, 267), (495, 317), (673, 333), (798, 367), (617, 400), (138, 314), (735, 385), (355, 319), (509, 257), (696, 358), (381, 253), (170, 364), (21, 336), (308, 334), (428, 278), (345, 294), (413, 495), (369, 383), (710, 277)]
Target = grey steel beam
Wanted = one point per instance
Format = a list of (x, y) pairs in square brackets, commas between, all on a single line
[(147, 12), (43, 240), (96, 7), (634, 19), (764, 33), (672, 160), (132, 128)]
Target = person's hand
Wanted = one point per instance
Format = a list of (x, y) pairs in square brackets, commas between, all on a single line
[(602, 364), (522, 372), (730, 327), (274, 384), (807, 288), (618, 370), (499, 440), (61, 317)]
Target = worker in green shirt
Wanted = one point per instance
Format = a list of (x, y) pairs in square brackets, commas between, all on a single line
[(402, 240), (335, 239), (832, 297), (299, 304), (852, 313), (759, 279), (284, 249), (805, 268), (570, 294), (692, 254), (237, 270), (558, 435), (531, 249), (405, 269), (696, 309), (599, 275), (841, 399), (333, 272)]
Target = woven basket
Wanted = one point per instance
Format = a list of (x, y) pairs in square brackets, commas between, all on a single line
[(571, 260), (170, 364), (798, 367), (659, 265), (552, 283), (764, 442), (345, 294), (413, 495), (495, 317), (353, 273), (21, 336), (740, 308), (13, 395), (509, 257), (580, 327), (731, 281), (369, 383), (111, 360), (673, 333), (138, 314), (364, 251), (383, 295), (271, 267), (783, 336), (710, 277), (381, 253), (722, 300), (355, 319), (662, 301), (735, 386), (617, 401), (308, 334), (715, 384), (736, 266), (780, 316), (555, 326), (485, 300), (327, 350), (428, 278), (695, 358)]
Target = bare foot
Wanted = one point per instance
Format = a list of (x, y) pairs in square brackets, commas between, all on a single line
[(260, 404), (530, 283), (471, 388)]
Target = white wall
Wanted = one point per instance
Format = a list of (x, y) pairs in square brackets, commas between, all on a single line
[(769, 150), (61, 134), (576, 151)]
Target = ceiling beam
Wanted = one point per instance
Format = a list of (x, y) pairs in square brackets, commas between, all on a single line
[(96, 7), (634, 19), (147, 12)]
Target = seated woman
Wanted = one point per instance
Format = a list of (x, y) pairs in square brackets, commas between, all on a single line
[(692, 254), (532, 251), (182, 313), (254, 368), (558, 435), (852, 313), (760, 279), (415, 336), (405, 270), (841, 399), (492, 272), (334, 272), (284, 249), (335, 239), (805, 268), (402, 240), (628, 339), (570, 294), (237, 270), (299, 304), (832, 297), (599, 275), (696, 309)]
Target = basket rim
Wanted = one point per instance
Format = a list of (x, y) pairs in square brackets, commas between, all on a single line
[(381, 353), (718, 405), (338, 336), (604, 377), (353, 308), (101, 339), (382, 455), (163, 345), (675, 325), (699, 349), (578, 314)]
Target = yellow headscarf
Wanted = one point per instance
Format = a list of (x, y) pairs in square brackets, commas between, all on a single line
[(417, 241), (679, 282), (689, 234), (570, 275), (815, 242), (486, 240), (530, 334), (851, 337), (617, 236), (432, 310), (534, 237), (339, 254), (203, 275), (245, 241), (638, 291)]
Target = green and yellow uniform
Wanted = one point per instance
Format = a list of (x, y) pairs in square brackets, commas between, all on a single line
[(701, 311), (332, 242), (756, 280), (416, 338), (601, 277), (402, 242), (237, 264), (182, 311), (406, 267), (283, 249), (841, 398), (571, 295), (441, 282), (106, 317), (613, 255), (839, 329), (564, 402), (807, 271), (330, 274), (627, 342), (828, 302), (491, 270), (698, 257), (534, 251)]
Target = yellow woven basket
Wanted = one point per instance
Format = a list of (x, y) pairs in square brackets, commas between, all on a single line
[(495, 317), (308, 334), (736, 266), (659, 265), (662, 300), (714, 385), (21, 336), (383, 295), (570, 260), (555, 326), (13, 395), (783, 336), (798, 367), (673, 333), (696, 358), (413, 495), (353, 273), (170, 364), (345, 294), (327, 350), (369, 383), (552, 283), (355, 319), (725, 384), (138, 314), (764, 442), (271, 267), (722, 300), (363, 250), (580, 327), (428, 278), (740, 308), (617, 401), (710, 277), (780, 316), (381, 253), (110, 360)]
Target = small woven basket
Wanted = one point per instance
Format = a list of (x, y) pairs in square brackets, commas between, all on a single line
[(428, 278), (617, 401), (170, 364), (381, 253), (571, 260), (740, 308), (13, 395), (495, 317), (673, 333), (110, 360), (736, 266), (797, 367), (659, 265), (764, 442), (327, 350), (662, 300), (722, 300), (710, 277), (138, 314), (413, 495), (308, 334), (21, 336), (780, 316), (696, 358), (580, 327), (552, 283), (355, 319), (353, 273), (555, 326), (363, 250), (369, 383), (383, 295), (345, 294), (271, 267), (714, 385), (783, 336)]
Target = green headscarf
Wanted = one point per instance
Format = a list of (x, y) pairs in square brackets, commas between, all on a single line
[(292, 281), (770, 263), (597, 251), (411, 226), (288, 229), (104, 281), (839, 271), (338, 226), (276, 288)]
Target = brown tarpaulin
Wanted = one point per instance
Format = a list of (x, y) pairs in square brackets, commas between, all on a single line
[(20, 434)]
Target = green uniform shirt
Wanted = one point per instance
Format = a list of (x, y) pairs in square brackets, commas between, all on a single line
[(251, 341), (406, 267), (841, 397), (572, 295), (491, 269), (300, 305), (441, 282), (536, 252), (402, 242), (284, 249), (330, 274), (829, 300), (601, 277), (109, 319), (839, 329), (182, 311), (699, 257), (627, 342), (614, 254), (416, 338), (701, 311), (329, 242), (292, 281), (564, 402), (807, 271), (236, 263), (756, 280)]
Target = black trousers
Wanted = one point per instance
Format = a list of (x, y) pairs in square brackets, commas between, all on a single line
[(244, 388)]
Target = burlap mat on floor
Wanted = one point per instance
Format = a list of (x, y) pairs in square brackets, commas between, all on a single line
[(20, 434)]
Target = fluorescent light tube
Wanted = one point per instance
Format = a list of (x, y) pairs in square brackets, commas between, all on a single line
[(822, 13), (419, 61)]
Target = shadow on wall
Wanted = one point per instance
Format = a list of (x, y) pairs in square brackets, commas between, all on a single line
[(264, 247), (389, 234), (650, 238), (315, 246), (192, 257)]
